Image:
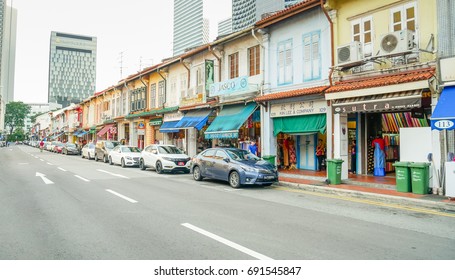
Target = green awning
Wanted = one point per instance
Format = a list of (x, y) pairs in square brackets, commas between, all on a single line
[(230, 119), (300, 124)]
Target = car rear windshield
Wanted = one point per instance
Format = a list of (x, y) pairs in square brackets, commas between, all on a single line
[(169, 150), (111, 145)]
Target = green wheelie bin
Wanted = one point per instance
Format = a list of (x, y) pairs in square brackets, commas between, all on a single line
[(334, 171), (270, 159), (403, 176), (420, 177)]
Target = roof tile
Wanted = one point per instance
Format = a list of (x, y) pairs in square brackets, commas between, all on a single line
[(383, 80), (291, 93)]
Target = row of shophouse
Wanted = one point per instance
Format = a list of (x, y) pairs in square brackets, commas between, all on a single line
[(331, 70)]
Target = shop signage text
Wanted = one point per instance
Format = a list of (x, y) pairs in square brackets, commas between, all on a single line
[(298, 108), (444, 124), (141, 125), (232, 86), (222, 135), (156, 122), (173, 117), (402, 104), (187, 101)]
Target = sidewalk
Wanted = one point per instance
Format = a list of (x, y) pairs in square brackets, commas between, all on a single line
[(363, 186)]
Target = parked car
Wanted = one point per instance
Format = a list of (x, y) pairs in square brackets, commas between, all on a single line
[(50, 146), (88, 151), (236, 166), (164, 158), (125, 156), (58, 147), (102, 149), (70, 149)]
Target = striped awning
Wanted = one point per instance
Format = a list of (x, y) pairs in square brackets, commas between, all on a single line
[(404, 100)]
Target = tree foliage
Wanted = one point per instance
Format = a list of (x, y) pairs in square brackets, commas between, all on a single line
[(15, 115)]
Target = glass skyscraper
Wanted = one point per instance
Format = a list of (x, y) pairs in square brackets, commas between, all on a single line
[(72, 68)]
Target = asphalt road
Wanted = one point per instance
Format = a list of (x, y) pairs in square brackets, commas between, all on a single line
[(65, 207)]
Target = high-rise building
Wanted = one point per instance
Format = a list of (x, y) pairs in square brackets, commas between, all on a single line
[(8, 26), (225, 27), (246, 12), (72, 68), (190, 27)]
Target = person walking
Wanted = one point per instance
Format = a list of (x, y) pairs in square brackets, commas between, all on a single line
[(320, 153), (353, 157), (41, 146)]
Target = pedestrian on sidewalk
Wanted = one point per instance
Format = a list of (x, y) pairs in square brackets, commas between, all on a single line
[(320, 153), (353, 157), (379, 156)]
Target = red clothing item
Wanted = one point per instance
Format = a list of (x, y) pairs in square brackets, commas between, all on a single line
[(380, 141)]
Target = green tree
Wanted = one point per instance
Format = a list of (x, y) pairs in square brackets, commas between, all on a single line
[(15, 115)]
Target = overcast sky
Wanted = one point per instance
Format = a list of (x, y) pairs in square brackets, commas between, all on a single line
[(138, 28)]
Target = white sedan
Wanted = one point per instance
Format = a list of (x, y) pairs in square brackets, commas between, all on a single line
[(88, 151), (125, 156)]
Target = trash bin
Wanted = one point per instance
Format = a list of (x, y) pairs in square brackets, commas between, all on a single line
[(420, 178), (403, 176), (334, 171), (270, 159)]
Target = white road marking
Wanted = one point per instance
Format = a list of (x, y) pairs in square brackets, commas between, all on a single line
[(121, 196), (231, 190), (227, 242), (41, 159), (113, 174), (61, 169), (23, 163), (82, 178), (49, 163), (46, 181)]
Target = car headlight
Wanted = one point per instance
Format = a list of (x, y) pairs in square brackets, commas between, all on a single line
[(129, 158), (249, 169)]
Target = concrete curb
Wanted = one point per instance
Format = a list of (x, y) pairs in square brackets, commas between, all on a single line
[(402, 201)]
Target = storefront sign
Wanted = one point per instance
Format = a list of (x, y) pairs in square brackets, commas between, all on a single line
[(113, 130), (444, 124), (173, 117), (222, 135), (141, 125), (379, 105), (188, 101), (156, 122), (233, 86), (298, 108)]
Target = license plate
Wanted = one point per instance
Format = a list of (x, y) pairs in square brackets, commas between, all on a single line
[(181, 163), (269, 177)]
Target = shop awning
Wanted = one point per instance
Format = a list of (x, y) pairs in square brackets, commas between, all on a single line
[(169, 127), (443, 117), (307, 124), (104, 130), (76, 133), (230, 119), (57, 135), (404, 100), (196, 119), (82, 133)]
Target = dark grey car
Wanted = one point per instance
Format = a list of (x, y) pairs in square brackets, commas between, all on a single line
[(102, 149), (236, 166)]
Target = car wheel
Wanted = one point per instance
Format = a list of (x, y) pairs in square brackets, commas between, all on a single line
[(197, 173), (142, 165), (110, 161), (159, 167), (96, 157), (105, 159), (123, 163), (234, 179)]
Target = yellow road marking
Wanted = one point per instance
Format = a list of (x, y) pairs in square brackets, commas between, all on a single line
[(370, 202)]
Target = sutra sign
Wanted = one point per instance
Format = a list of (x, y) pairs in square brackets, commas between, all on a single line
[(373, 106)]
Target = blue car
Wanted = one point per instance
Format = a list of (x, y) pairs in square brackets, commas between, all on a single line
[(236, 166)]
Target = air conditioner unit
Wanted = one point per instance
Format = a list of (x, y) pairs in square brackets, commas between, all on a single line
[(350, 54), (397, 42)]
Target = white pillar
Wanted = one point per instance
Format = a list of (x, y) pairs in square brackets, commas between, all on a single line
[(268, 140), (341, 142)]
